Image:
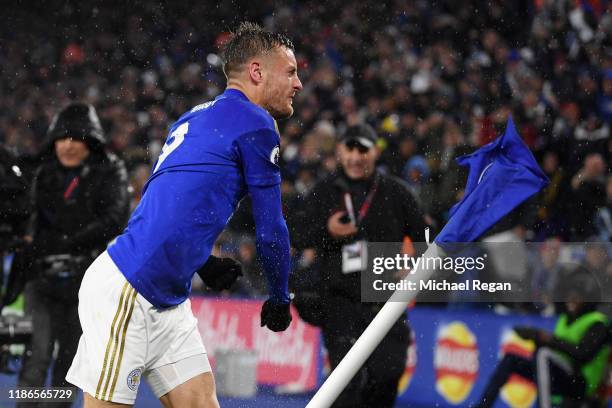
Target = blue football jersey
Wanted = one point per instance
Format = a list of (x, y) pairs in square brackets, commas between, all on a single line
[(213, 155)]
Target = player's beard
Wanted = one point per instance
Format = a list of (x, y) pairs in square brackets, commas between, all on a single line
[(276, 104), (278, 114)]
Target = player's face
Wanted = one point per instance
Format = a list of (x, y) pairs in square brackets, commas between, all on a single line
[(358, 164), (70, 152), (281, 83)]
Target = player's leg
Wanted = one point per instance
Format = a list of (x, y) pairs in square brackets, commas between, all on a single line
[(112, 349), (180, 374), (198, 391), (91, 402)]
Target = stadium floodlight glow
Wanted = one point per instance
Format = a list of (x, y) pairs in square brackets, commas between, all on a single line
[(502, 175)]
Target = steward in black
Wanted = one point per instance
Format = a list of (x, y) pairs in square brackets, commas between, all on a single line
[(392, 215), (381, 209)]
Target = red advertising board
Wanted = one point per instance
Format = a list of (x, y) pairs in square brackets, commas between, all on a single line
[(288, 358)]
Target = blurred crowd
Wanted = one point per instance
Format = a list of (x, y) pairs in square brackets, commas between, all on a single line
[(436, 79)]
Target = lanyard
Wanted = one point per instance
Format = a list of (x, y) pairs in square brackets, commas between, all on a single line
[(365, 207), (69, 190)]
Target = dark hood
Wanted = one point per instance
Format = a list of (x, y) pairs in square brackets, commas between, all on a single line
[(79, 121)]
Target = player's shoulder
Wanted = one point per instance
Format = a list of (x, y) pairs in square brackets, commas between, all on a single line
[(253, 117), (248, 115), (234, 111), (232, 115)]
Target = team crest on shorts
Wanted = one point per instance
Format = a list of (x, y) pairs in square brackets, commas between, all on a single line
[(133, 379)]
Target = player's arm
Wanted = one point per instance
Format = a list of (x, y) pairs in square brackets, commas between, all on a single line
[(273, 248), (258, 152), (272, 237)]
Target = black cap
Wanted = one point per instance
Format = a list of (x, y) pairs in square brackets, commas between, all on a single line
[(362, 134)]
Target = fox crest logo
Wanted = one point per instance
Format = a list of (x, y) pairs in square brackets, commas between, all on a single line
[(275, 155), (133, 379)]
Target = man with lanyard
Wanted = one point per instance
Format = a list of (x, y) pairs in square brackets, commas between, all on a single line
[(343, 212), (134, 300)]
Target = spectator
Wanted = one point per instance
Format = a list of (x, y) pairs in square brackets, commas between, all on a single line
[(80, 203), (603, 219), (546, 273), (588, 194), (552, 215), (604, 101), (341, 214)]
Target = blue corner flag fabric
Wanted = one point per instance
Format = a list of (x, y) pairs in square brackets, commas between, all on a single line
[(502, 175)]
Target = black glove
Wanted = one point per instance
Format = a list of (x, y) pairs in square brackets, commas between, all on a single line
[(275, 315), (220, 273)]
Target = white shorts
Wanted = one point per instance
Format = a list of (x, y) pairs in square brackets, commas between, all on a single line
[(125, 338)]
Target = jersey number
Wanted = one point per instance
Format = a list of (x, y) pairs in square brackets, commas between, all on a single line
[(176, 138)]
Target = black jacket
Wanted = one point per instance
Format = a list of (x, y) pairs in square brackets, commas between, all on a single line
[(78, 221), (393, 214), (78, 211)]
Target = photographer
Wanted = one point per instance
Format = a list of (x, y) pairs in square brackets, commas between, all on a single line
[(343, 212), (80, 203)]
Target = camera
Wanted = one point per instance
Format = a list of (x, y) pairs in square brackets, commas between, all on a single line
[(59, 266), (14, 329)]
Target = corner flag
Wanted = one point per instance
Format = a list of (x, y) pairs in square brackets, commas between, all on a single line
[(502, 175)]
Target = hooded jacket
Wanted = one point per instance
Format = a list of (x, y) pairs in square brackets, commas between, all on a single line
[(79, 121), (78, 209), (75, 211)]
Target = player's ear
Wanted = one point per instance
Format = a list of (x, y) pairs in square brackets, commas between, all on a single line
[(255, 68)]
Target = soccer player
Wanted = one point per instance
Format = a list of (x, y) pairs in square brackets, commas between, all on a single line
[(133, 302)]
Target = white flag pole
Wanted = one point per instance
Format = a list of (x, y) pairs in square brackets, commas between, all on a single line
[(373, 335)]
